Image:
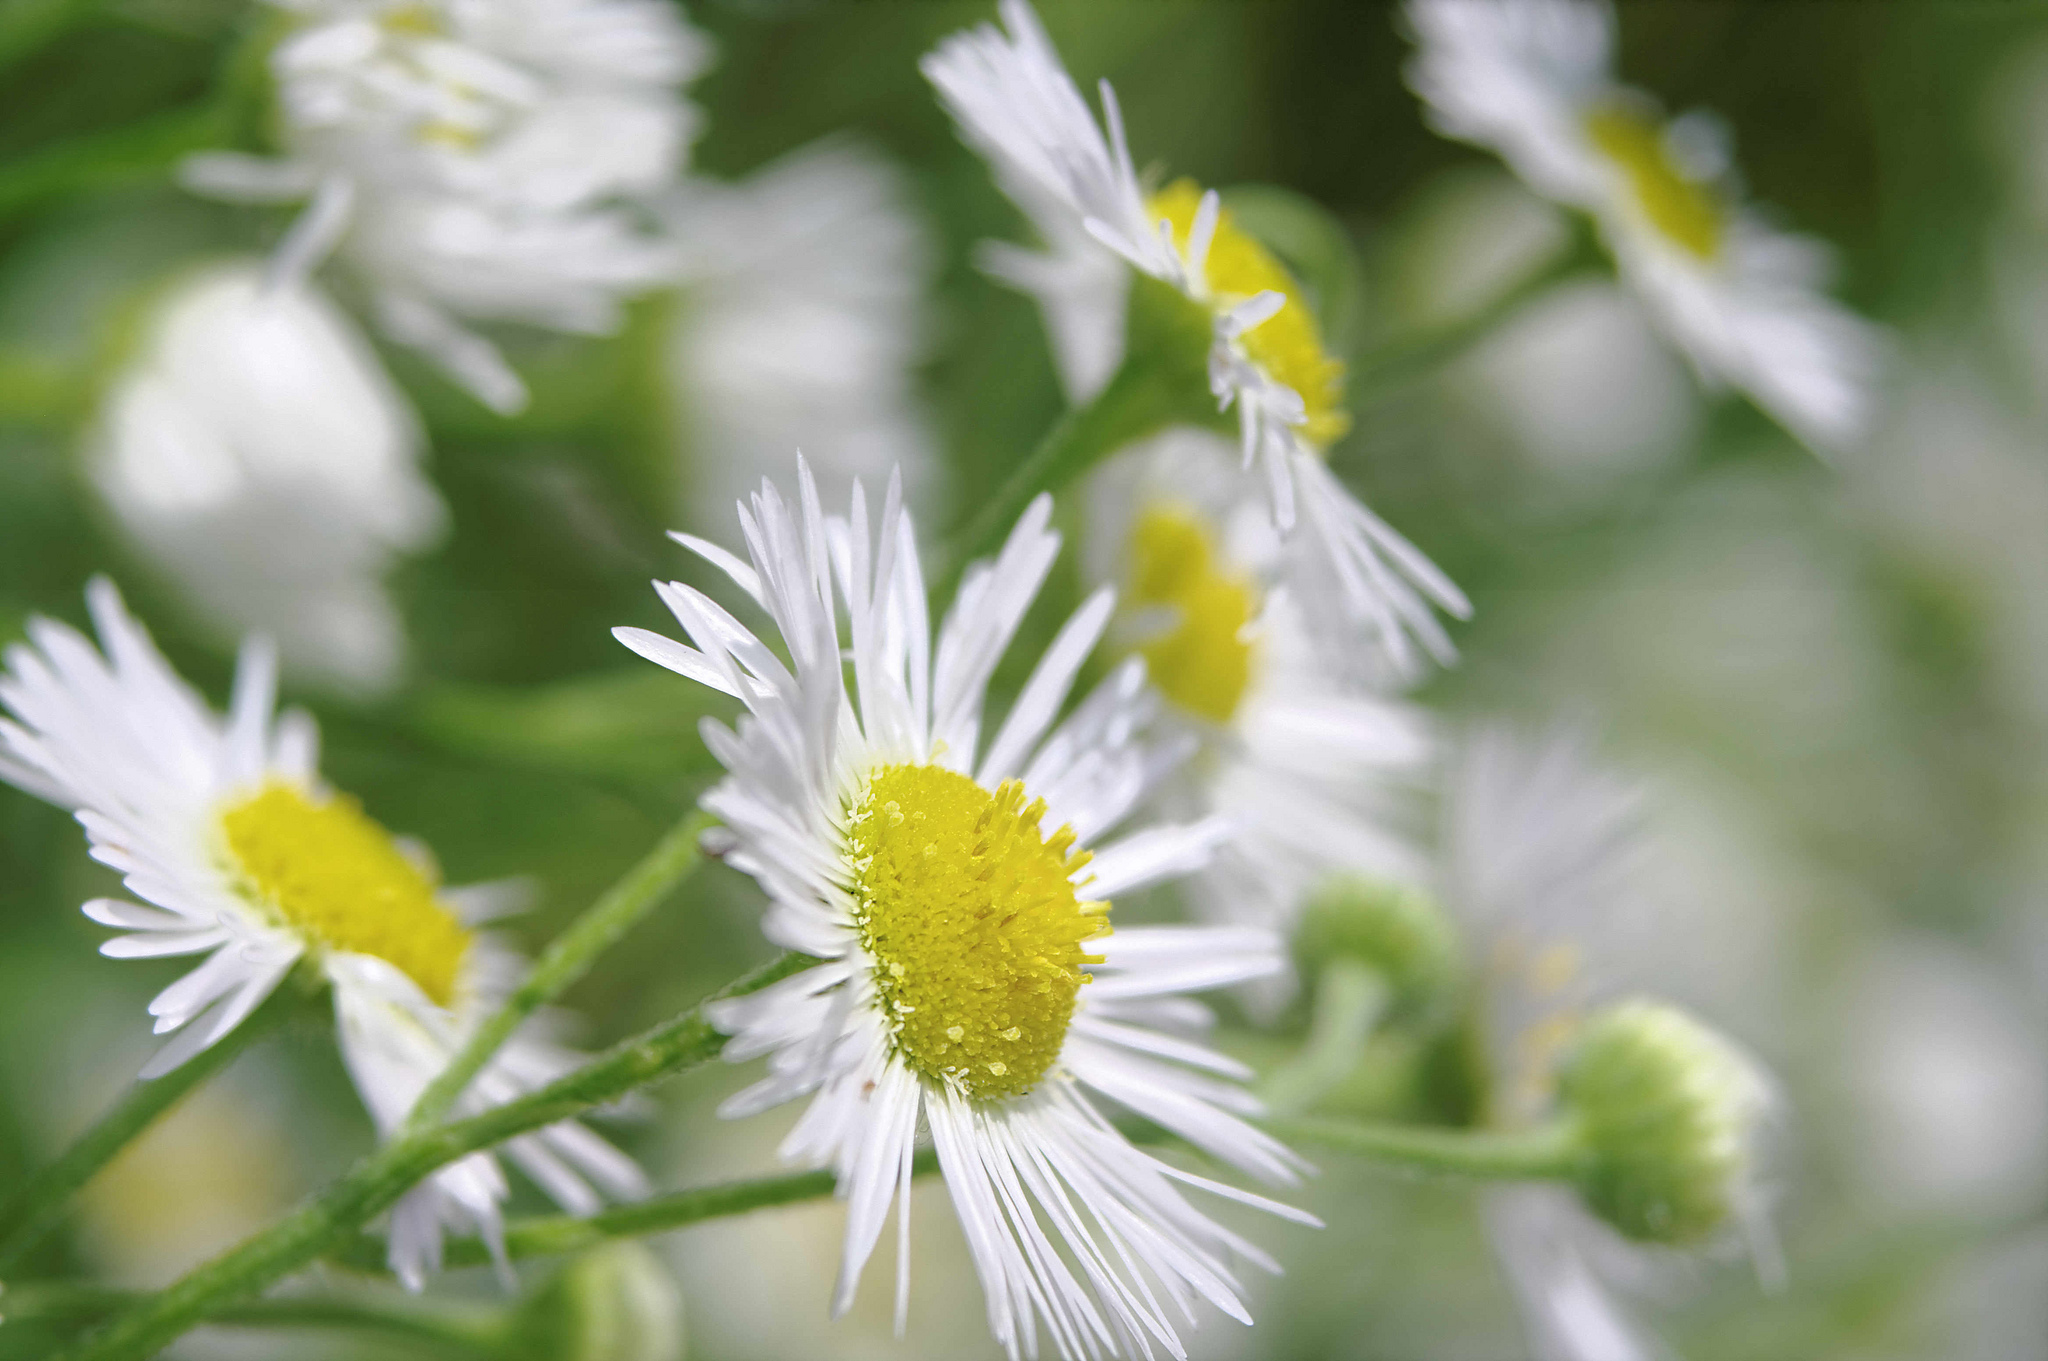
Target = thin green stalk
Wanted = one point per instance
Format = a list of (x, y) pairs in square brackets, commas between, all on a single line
[(38, 1206), (1551, 1152), (1409, 357), (379, 1179), (99, 160), (471, 1330), (1350, 999), (567, 959)]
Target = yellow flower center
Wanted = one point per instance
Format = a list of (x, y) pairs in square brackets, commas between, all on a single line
[(972, 920), (416, 20), (1680, 207), (1288, 345), (337, 877), (1203, 663)]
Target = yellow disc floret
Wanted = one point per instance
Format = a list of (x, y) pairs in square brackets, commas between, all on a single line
[(1203, 663), (970, 914), (336, 876), (1289, 344), (1677, 205)]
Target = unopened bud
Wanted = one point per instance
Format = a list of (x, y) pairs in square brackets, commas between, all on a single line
[(1667, 1112), (613, 1303), (1399, 933)]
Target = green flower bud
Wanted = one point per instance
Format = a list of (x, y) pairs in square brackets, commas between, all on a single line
[(1667, 1111), (613, 1303), (1399, 933)]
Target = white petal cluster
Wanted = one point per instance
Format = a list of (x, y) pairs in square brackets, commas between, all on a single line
[(476, 160), (114, 734), (1070, 1226), (1522, 77), (1015, 103), (255, 450)]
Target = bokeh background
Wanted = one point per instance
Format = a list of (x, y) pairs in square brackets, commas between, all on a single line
[(1835, 676)]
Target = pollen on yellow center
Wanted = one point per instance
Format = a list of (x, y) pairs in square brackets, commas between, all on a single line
[(1289, 344), (1677, 205), (1203, 662), (970, 914), (334, 874)]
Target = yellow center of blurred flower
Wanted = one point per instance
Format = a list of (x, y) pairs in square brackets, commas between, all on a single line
[(972, 920), (1203, 663), (1680, 207), (417, 20), (337, 877), (1288, 345)]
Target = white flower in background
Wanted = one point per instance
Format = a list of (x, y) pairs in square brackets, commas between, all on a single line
[(1543, 868), (476, 160), (801, 327), (956, 931), (224, 825), (1016, 104), (256, 452), (1309, 773), (1533, 80)]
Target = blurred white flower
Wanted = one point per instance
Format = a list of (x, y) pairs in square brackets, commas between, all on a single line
[(474, 160), (912, 861), (256, 452), (1015, 103), (249, 859), (1543, 864), (801, 325), (1533, 80), (1313, 777)]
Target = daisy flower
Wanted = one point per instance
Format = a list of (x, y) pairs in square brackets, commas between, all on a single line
[(222, 825), (1015, 104), (957, 894), (1310, 774), (256, 451), (1533, 80), (1543, 868), (469, 159)]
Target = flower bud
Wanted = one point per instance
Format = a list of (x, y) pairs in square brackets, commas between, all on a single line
[(1667, 1111), (613, 1303), (1398, 932)]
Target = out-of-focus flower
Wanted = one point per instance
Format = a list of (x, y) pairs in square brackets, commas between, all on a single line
[(224, 825), (256, 451), (801, 325), (1543, 866), (1016, 104), (1309, 773), (1533, 80), (473, 159), (953, 930)]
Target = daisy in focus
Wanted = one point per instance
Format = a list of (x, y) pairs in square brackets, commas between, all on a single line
[(1533, 81), (475, 160), (957, 893), (1542, 870), (223, 826), (1015, 103), (1311, 774)]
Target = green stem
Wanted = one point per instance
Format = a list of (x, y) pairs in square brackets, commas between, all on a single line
[(471, 1330), (1551, 1152), (38, 1207), (379, 1179), (98, 160), (567, 959), (1409, 357), (1350, 999)]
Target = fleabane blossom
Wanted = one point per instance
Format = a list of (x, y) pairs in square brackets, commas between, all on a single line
[(1015, 103), (1743, 300), (223, 828), (956, 892), (1314, 776), (1543, 868), (476, 160), (257, 452)]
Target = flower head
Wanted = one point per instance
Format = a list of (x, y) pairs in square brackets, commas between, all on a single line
[(1533, 80), (1015, 103), (957, 892), (243, 854)]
